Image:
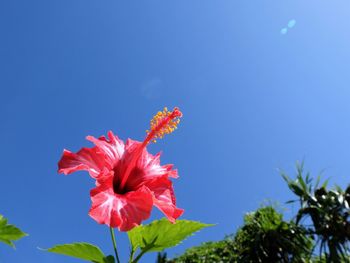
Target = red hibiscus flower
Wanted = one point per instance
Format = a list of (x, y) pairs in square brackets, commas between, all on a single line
[(129, 180)]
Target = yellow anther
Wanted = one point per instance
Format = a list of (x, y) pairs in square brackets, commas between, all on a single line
[(164, 122)]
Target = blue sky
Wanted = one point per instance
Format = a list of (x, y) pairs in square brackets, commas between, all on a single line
[(253, 99)]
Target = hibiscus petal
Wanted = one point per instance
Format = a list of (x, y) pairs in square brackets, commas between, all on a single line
[(152, 171), (138, 208), (112, 148), (147, 167), (151, 164), (88, 159), (121, 211), (164, 197)]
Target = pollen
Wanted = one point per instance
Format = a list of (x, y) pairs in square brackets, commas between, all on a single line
[(164, 122)]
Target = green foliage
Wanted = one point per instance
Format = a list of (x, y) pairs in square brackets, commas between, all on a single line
[(161, 234), (109, 259), (329, 214), (9, 233), (209, 252), (83, 251), (161, 257), (324, 216), (265, 237), (324, 259)]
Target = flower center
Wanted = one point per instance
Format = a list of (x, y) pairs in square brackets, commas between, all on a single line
[(135, 178)]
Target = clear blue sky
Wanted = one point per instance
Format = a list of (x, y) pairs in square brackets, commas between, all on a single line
[(253, 100)]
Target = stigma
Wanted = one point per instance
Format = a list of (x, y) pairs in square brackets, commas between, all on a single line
[(164, 122)]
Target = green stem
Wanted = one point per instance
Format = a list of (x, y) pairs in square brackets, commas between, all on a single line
[(132, 252), (139, 256), (147, 248), (114, 244)]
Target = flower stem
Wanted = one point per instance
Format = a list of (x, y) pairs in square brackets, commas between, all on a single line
[(114, 244)]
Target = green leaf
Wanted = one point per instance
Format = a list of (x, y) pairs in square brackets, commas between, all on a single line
[(81, 250), (161, 234), (9, 233)]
